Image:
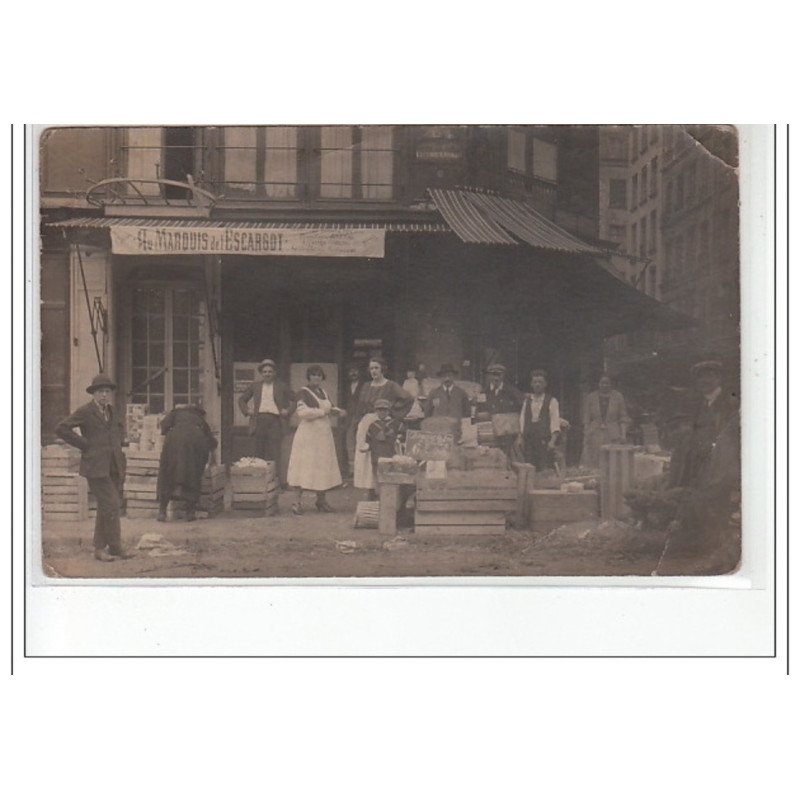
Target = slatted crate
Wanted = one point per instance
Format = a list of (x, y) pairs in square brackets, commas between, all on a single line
[(139, 490), (255, 488), (468, 503), (66, 500)]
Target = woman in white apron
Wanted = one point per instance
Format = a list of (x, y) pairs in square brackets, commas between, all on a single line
[(313, 464)]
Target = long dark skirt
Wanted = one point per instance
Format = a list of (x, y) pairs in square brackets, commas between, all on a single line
[(183, 461)]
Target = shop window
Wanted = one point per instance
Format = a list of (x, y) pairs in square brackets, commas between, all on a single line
[(618, 195), (545, 158), (166, 347)]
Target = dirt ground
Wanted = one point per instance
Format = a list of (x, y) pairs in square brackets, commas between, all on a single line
[(326, 545)]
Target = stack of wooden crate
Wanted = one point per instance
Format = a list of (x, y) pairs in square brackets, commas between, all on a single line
[(65, 496), (139, 490), (474, 502), (212, 492), (485, 433), (254, 486)]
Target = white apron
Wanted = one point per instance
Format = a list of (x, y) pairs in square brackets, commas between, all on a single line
[(313, 463)]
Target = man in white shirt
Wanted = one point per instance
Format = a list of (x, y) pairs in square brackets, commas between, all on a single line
[(540, 423), (272, 406)]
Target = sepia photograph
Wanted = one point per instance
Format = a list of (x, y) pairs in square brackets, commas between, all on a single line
[(381, 351)]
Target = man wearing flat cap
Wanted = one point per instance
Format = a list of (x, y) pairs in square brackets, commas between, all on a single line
[(269, 416), (499, 397), (447, 400), (102, 462), (707, 465)]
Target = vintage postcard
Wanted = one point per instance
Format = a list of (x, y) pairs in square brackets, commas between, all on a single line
[(388, 351)]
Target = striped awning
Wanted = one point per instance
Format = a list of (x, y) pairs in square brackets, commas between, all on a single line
[(150, 222), (484, 218)]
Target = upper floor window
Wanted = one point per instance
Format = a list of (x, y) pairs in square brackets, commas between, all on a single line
[(516, 150), (357, 162), (545, 160), (171, 153), (618, 195), (261, 161)]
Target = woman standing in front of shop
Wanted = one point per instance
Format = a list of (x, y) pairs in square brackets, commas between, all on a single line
[(379, 388), (605, 421), (313, 464)]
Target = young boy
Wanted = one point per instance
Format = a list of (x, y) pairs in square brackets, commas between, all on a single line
[(382, 436)]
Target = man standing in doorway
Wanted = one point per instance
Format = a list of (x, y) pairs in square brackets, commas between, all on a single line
[(269, 417), (540, 422), (353, 392), (102, 462)]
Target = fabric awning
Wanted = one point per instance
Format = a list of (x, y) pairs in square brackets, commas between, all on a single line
[(148, 236), (485, 218)]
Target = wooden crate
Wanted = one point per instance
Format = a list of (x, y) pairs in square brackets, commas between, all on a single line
[(67, 499)]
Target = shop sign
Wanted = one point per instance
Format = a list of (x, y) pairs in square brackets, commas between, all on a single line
[(134, 240), (429, 446)]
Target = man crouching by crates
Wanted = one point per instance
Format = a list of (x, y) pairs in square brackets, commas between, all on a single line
[(102, 462)]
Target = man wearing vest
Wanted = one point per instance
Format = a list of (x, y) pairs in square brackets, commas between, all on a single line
[(102, 462), (540, 424), (447, 400)]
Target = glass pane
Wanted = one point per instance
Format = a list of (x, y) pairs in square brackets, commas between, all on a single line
[(194, 381), (156, 385), (139, 354), (138, 377), (139, 327), (181, 399), (180, 328), (194, 354), (280, 162), (139, 301), (336, 166), (156, 329), (156, 299), (157, 355), (181, 302), (156, 403), (180, 355), (240, 159), (377, 162), (139, 398), (194, 329), (180, 381)]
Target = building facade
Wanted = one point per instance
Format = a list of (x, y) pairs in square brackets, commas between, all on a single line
[(675, 191), (176, 258)]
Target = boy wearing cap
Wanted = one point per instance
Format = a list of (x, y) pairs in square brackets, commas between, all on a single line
[(382, 436), (269, 417), (102, 462)]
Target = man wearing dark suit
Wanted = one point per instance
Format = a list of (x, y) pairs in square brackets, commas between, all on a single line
[(269, 417), (706, 464), (102, 462), (352, 392), (447, 400), (500, 397)]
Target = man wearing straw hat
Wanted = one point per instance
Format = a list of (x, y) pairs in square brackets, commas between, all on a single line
[(102, 462)]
